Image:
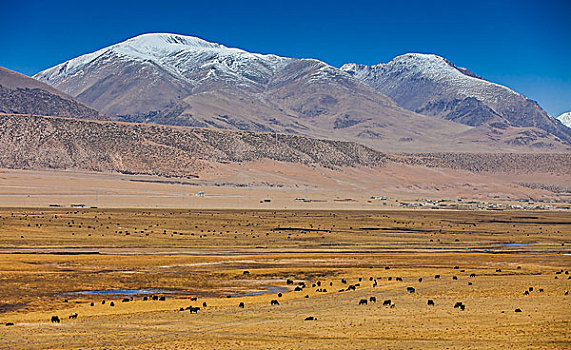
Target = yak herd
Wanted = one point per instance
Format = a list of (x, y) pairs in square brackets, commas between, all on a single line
[(302, 285)]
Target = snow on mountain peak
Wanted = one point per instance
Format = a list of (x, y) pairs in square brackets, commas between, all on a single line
[(428, 67), (162, 44), (181, 55), (565, 119)]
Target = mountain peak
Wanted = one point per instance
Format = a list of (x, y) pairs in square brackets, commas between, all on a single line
[(164, 44), (181, 56), (430, 64)]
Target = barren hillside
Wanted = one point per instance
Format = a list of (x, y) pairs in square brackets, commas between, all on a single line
[(22, 95), (33, 142)]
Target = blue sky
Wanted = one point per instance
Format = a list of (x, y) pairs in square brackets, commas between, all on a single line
[(523, 44)]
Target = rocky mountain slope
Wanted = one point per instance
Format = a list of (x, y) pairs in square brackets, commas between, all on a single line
[(180, 80), (565, 119), (33, 142), (431, 85), (22, 95)]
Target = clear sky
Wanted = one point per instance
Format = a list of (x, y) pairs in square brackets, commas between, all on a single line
[(523, 44)]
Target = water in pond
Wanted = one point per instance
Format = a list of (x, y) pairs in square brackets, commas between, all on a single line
[(268, 290), (122, 292), (513, 244)]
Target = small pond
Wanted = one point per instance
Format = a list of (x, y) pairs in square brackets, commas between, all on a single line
[(123, 292)]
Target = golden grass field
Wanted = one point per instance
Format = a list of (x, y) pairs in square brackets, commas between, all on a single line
[(48, 255)]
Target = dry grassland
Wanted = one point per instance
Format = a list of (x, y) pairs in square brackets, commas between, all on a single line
[(47, 256)]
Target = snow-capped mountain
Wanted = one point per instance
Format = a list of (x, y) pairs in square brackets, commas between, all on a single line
[(151, 71), (565, 119), (431, 85), (184, 57), (182, 80)]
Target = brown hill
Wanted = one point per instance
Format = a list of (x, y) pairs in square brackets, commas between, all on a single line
[(22, 95), (33, 142)]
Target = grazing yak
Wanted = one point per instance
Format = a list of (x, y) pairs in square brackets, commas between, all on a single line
[(373, 299), (194, 309), (436, 276), (298, 289), (55, 319), (387, 302), (363, 302), (241, 305), (73, 316), (9, 323), (410, 289), (311, 318), (274, 302), (430, 302)]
